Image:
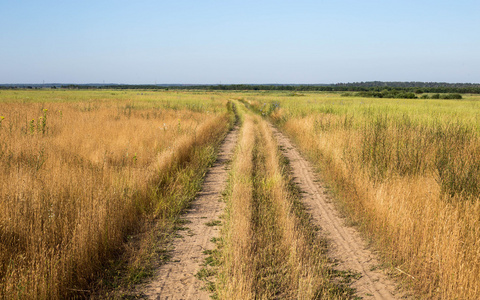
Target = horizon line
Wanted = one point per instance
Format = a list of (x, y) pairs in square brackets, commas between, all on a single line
[(217, 84)]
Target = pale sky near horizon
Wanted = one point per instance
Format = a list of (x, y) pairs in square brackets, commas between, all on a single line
[(211, 42)]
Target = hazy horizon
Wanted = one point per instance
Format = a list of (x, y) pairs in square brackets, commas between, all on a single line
[(239, 42)]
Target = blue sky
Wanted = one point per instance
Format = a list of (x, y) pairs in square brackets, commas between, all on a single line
[(211, 42)]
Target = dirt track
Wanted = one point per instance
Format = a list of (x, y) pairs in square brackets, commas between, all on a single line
[(345, 244), (176, 279)]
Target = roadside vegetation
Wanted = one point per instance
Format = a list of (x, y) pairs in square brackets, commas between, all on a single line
[(269, 249), (83, 172), (406, 171)]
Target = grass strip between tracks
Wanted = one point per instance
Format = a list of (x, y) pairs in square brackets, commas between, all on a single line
[(269, 248)]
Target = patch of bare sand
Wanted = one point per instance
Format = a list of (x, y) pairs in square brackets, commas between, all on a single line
[(176, 279), (346, 247)]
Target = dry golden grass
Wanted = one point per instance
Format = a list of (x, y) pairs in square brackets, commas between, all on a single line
[(409, 181), (75, 183), (269, 248)]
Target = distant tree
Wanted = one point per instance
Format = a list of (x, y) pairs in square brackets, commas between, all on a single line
[(452, 96)]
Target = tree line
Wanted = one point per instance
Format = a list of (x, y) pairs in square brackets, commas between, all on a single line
[(370, 86)]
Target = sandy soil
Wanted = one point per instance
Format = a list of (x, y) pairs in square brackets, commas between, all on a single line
[(176, 279), (347, 248)]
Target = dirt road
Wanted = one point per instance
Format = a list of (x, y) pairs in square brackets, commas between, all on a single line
[(176, 279), (346, 245)]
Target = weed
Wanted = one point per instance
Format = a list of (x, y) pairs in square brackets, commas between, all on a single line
[(32, 126), (204, 273), (214, 223), (139, 274), (182, 221), (216, 240), (43, 125)]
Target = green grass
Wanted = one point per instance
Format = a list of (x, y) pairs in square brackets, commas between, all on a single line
[(214, 223)]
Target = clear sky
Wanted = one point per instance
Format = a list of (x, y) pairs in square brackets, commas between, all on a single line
[(214, 41)]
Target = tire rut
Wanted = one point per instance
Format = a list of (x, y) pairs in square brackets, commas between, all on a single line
[(176, 279), (346, 247)]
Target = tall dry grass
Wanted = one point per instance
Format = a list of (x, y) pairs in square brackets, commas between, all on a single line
[(410, 182), (79, 177), (270, 249)]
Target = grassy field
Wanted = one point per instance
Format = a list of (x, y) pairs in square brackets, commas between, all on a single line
[(406, 171), (84, 170)]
